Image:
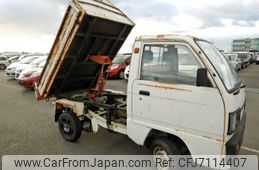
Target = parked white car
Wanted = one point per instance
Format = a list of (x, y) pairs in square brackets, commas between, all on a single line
[(33, 64), (31, 70), (10, 70), (4, 62)]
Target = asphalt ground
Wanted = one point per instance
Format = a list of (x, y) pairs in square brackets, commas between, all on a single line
[(27, 125)]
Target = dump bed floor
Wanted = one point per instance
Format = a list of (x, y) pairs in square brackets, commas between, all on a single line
[(82, 35)]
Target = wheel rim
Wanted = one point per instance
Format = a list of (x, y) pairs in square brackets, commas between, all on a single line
[(66, 127), (161, 153)]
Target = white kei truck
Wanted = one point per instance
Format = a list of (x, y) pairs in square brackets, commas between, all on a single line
[(183, 97)]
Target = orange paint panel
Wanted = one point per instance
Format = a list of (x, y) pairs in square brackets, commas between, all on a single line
[(166, 88), (103, 60)]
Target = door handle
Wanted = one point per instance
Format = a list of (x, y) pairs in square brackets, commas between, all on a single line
[(145, 93)]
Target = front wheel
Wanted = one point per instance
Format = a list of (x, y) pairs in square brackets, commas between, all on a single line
[(164, 147), (70, 126)]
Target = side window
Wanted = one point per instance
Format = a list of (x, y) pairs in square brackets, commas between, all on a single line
[(169, 63)]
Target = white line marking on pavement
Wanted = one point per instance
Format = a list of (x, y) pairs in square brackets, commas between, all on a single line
[(250, 149)]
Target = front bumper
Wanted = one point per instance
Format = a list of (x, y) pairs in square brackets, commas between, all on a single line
[(26, 83), (234, 144), (112, 73), (10, 74)]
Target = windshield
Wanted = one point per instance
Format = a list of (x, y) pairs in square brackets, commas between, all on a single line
[(28, 60), (226, 72), (242, 56), (37, 61), (42, 64), (119, 59), (37, 73), (232, 57)]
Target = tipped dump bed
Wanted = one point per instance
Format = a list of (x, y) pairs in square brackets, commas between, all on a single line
[(89, 27)]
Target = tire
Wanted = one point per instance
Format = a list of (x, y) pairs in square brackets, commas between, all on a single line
[(121, 75), (257, 62), (70, 126), (162, 148), (2, 67), (165, 146)]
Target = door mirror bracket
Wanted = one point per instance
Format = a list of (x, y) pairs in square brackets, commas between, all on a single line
[(202, 78)]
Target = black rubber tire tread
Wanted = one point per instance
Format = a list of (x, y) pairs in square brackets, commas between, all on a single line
[(75, 123), (165, 143)]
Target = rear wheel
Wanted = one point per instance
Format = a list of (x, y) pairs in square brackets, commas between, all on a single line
[(2, 67), (70, 126)]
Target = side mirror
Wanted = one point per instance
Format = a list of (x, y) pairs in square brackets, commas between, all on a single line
[(202, 78)]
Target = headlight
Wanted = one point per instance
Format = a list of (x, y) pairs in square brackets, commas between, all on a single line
[(234, 120)]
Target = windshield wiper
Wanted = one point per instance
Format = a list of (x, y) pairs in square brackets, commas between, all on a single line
[(238, 87), (243, 86)]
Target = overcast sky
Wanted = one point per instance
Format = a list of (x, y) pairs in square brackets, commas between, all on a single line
[(31, 25)]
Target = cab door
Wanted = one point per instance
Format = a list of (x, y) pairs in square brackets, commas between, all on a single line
[(165, 95)]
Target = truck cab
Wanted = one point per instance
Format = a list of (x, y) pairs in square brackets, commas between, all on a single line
[(184, 86)]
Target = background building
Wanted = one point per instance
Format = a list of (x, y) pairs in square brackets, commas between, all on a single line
[(248, 44)]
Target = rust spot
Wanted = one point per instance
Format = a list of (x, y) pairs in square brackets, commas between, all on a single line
[(166, 88), (160, 37), (136, 50), (168, 83), (210, 138)]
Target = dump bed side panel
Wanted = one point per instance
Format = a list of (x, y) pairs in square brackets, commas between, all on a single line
[(83, 33)]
